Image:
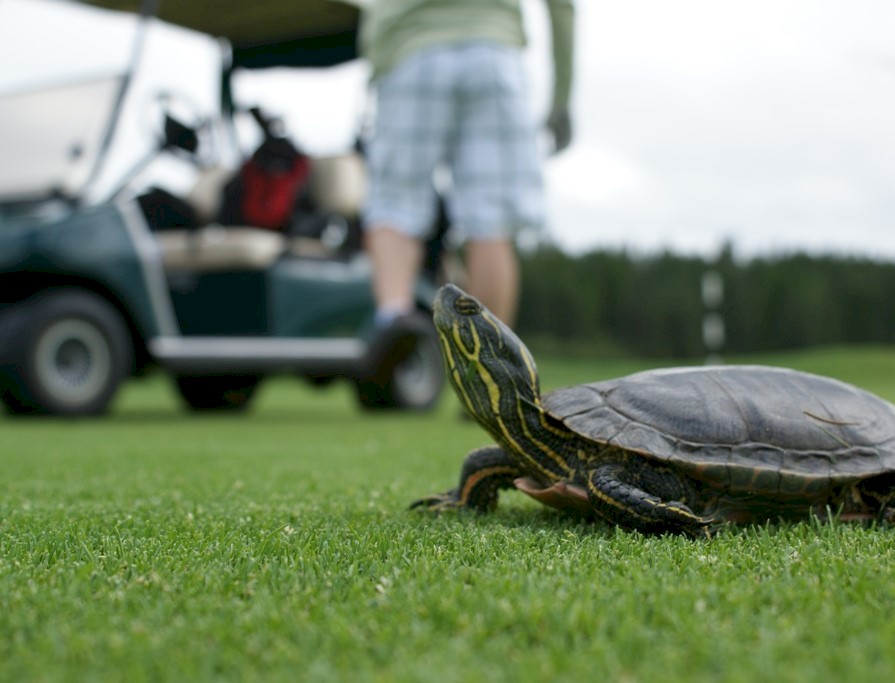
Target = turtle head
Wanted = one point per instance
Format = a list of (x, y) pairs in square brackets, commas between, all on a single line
[(490, 368)]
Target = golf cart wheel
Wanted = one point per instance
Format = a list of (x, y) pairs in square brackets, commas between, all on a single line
[(217, 392), (70, 352), (413, 384)]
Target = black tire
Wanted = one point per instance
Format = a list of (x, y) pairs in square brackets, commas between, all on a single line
[(217, 392), (69, 351), (413, 384)]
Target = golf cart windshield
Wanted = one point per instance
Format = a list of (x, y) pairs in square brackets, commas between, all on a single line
[(54, 154)]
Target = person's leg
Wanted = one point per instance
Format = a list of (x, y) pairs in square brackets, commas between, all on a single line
[(398, 327), (497, 175), (493, 276), (396, 261), (414, 123)]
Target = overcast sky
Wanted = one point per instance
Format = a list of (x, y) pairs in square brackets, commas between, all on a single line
[(766, 123)]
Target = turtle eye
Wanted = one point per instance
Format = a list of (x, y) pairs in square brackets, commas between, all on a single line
[(467, 305)]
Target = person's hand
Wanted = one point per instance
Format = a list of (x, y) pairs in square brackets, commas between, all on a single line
[(559, 123)]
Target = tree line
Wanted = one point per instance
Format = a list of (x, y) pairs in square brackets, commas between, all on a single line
[(653, 305)]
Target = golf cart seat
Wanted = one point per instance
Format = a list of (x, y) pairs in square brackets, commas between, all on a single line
[(338, 184), (214, 247), (219, 248), (336, 188)]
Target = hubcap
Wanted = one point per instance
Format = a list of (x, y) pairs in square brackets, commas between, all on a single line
[(73, 361)]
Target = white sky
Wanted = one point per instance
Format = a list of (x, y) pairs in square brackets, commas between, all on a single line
[(766, 123)]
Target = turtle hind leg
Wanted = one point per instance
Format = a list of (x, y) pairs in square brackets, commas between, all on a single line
[(878, 496), (486, 471), (647, 498)]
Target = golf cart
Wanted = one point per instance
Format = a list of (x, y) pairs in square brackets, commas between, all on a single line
[(95, 290)]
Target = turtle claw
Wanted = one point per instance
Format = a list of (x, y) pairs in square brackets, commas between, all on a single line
[(706, 530), (439, 502)]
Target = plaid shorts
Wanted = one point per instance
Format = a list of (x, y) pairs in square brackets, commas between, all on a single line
[(464, 107)]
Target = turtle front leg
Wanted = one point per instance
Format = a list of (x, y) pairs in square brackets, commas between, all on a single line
[(486, 471), (619, 493)]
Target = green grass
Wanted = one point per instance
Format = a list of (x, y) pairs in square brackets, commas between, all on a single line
[(154, 545)]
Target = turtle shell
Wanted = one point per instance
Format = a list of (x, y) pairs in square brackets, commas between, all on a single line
[(767, 431)]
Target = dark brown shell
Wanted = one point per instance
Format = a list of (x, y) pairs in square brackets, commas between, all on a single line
[(769, 431)]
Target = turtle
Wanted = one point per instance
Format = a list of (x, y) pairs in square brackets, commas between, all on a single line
[(671, 450)]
